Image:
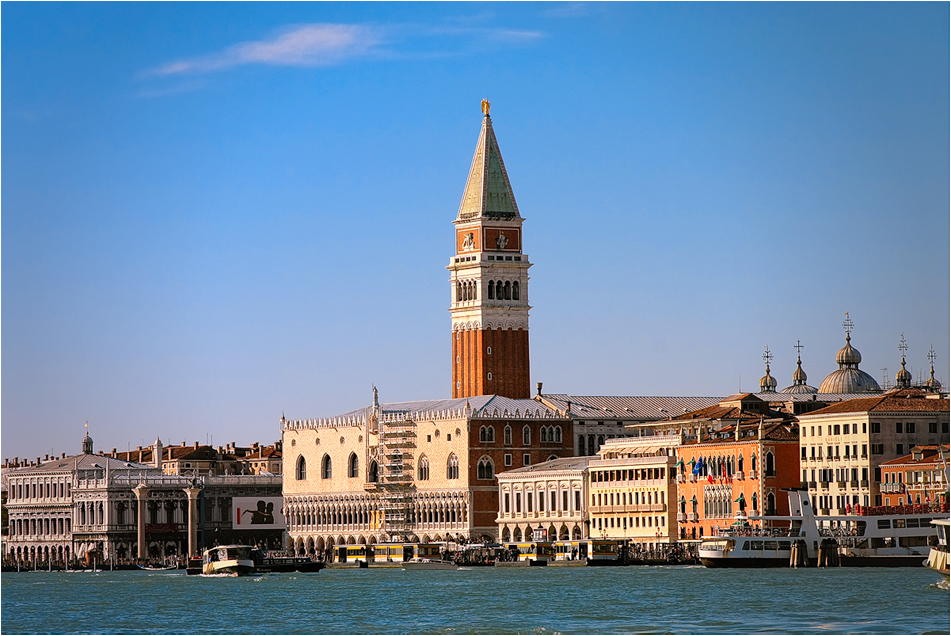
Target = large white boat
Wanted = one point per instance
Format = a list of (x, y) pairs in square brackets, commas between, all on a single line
[(423, 563), (938, 557), (808, 540), (231, 560)]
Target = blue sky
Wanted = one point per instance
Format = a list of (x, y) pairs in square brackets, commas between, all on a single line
[(216, 213)]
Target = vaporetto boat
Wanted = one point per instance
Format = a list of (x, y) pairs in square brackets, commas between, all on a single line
[(892, 540), (231, 560), (938, 557)]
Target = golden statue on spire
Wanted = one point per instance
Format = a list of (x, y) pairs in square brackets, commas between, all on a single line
[(485, 107)]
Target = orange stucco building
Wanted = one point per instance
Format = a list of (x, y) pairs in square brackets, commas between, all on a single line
[(736, 456)]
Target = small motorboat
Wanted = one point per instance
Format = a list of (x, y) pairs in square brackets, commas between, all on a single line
[(158, 568), (229, 560), (423, 563)]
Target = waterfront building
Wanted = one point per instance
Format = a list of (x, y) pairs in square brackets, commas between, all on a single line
[(845, 444), (96, 506), (195, 460), (550, 496), (632, 490), (596, 419), (417, 471), (920, 477), (735, 457)]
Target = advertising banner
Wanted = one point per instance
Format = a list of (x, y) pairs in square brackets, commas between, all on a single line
[(258, 513)]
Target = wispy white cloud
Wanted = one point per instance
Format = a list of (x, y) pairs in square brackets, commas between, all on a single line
[(305, 45), (323, 44)]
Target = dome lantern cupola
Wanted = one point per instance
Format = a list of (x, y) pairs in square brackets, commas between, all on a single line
[(903, 377), (87, 442), (767, 383), (932, 384), (799, 376)]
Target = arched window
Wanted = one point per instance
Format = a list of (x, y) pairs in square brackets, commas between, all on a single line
[(458, 291), (515, 290), (373, 474), (508, 290), (301, 468), (485, 469), (550, 458), (423, 471), (753, 460), (353, 466), (739, 463), (475, 291), (507, 435), (770, 504), (770, 468), (491, 290), (526, 435), (326, 468), (755, 500), (452, 467), (499, 290), (486, 433), (558, 434)]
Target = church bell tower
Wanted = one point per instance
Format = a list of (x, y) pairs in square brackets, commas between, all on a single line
[(489, 278)]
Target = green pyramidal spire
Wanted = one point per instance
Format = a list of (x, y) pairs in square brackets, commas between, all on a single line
[(488, 193)]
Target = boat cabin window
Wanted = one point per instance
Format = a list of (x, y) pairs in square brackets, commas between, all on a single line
[(884, 523), (911, 523), (898, 523), (756, 545)]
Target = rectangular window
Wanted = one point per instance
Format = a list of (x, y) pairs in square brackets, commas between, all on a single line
[(577, 500), (835, 429), (530, 501), (804, 452), (878, 449), (554, 501), (508, 459), (932, 427), (813, 452), (910, 427), (541, 502), (855, 429), (846, 451), (564, 500), (506, 503), (812, 431), (518, 503), (864, 450), (898, 427), (526, 459), (448, 437), (900, 449), (876, 427), (820, 431)]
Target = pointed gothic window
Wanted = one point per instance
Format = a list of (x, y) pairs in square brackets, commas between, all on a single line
[(301, 468), (558, 434), (508, 290), (499, 290), (452, 467), (485, 469), (770, 468), (491, 290), (423, 468), (353, 466), (326, 468), (458, 292), (373, 475), (507, 435), (526, 435), (515, 290)]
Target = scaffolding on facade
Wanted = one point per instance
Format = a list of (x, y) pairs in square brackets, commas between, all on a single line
[(396, 485)]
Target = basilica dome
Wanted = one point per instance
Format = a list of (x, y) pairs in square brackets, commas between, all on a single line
[(849, 378)]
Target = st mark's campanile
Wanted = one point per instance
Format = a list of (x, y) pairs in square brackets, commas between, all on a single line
[(489, 278)]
